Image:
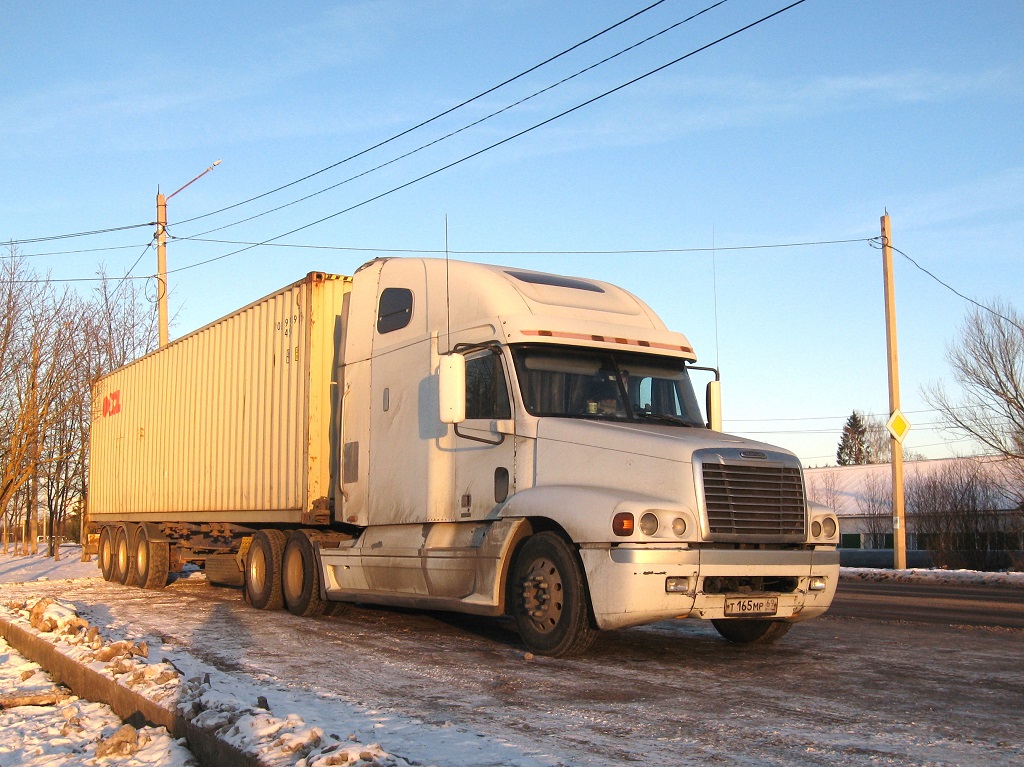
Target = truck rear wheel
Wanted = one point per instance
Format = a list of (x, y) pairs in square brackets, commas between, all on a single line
[(152, 560), (742, 631), (105, 553), (263, 570), (124, 571), (548, 597), (300, 582)]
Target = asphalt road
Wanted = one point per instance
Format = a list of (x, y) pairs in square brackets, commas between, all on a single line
[(992, 606)]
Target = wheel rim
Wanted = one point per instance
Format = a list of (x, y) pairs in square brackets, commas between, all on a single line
[(542, 595), (258, 569), (292, 571), (142, 555), (106, 553), (123, 560)]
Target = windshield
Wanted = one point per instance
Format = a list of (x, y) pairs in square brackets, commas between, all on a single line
[(574, 382)]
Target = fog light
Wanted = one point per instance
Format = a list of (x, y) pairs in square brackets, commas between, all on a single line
[(679, 526), (816, 584), (677, 585), (649, 524), (622, 523)]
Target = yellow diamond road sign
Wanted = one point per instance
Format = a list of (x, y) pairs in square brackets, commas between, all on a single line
[(898, 426)]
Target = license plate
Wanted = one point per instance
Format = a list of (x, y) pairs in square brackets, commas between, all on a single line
[(740, 606)]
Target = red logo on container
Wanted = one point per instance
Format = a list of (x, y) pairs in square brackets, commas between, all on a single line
[(112, 403)]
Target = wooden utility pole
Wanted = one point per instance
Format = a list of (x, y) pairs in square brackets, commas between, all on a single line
[(897, 424), (161, 266), (161, 253)]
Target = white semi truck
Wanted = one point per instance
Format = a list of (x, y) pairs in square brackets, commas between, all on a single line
[(454, 436)]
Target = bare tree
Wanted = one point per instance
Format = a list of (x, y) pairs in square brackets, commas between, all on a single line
[(988, 365), (875, 504), (826, 488), (36, 345), (965, 516)]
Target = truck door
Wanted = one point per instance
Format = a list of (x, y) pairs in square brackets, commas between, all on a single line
[(485, 441)]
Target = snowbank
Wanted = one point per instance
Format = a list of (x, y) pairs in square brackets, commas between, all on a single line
[(234, 712)]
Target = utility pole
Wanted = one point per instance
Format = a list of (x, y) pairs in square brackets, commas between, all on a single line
[(161, 266), (897, 424), (161, 254)]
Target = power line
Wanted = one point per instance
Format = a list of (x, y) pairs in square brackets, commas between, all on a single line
[(436, 117), (72, 252), (949, 287), (503, 141), (51, 238), (462, 129), (435, 251)]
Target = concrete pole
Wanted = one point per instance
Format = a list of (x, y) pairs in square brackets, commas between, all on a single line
[(899, 528)]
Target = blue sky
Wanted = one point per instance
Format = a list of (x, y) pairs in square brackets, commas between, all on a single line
[(805, 128)]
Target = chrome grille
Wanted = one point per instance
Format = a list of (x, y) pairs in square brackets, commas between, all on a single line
[(754, 503)]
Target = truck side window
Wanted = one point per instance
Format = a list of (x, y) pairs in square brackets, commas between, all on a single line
[(394, 311), (486, 391)]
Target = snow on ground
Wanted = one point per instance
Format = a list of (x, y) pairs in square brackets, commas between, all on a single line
[(76, 732), (282, 732), (73, 731)]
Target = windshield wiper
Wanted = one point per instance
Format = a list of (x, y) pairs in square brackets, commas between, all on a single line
[(667, 418)]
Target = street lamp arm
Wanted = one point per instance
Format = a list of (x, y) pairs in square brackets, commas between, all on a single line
[(215, 164)]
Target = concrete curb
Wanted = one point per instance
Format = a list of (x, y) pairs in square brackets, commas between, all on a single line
[(133, 708)]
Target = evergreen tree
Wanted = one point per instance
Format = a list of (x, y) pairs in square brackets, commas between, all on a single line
[(853, 445)]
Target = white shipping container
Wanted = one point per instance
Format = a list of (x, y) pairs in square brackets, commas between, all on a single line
[(233, 420)]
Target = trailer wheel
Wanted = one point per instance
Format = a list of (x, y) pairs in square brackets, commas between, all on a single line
[(124, 571), (263, 570), (152, 560), (105, 551), (743, 631), (548, 597), (300, 581)]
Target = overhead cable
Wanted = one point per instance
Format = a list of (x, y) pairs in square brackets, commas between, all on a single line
[(436, 117), (496, 144), (457, 130)]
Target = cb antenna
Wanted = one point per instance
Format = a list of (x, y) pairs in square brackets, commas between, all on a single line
[(447, 292)]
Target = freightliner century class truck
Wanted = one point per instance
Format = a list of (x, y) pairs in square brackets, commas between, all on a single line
[(454, 436)]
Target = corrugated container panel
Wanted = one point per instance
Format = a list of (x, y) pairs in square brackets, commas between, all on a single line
[(231, 422)]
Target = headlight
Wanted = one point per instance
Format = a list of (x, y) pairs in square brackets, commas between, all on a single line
[(649, 524)]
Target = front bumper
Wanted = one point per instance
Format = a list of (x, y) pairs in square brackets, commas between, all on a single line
[(628, 582)]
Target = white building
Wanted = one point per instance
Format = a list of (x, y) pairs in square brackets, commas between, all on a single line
[(980, 490)]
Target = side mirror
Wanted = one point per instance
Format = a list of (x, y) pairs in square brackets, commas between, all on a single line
[(452, 388), (714, 405)]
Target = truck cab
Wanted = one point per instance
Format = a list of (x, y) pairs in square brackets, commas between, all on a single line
[(521, 443)]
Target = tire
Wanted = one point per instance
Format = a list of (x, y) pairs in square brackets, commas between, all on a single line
[(105, 553), (548, 597), (124, 565), (263, 570), (743, 631), (300, 579), (152, 560)]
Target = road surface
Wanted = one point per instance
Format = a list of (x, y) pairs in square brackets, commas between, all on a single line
[(836, 690), (931, 603)]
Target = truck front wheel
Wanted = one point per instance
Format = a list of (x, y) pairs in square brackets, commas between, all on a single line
[(743, 631), (300, 581), (263, 570), (548, 597)]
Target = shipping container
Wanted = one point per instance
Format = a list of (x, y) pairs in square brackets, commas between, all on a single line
[(230, 423)]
